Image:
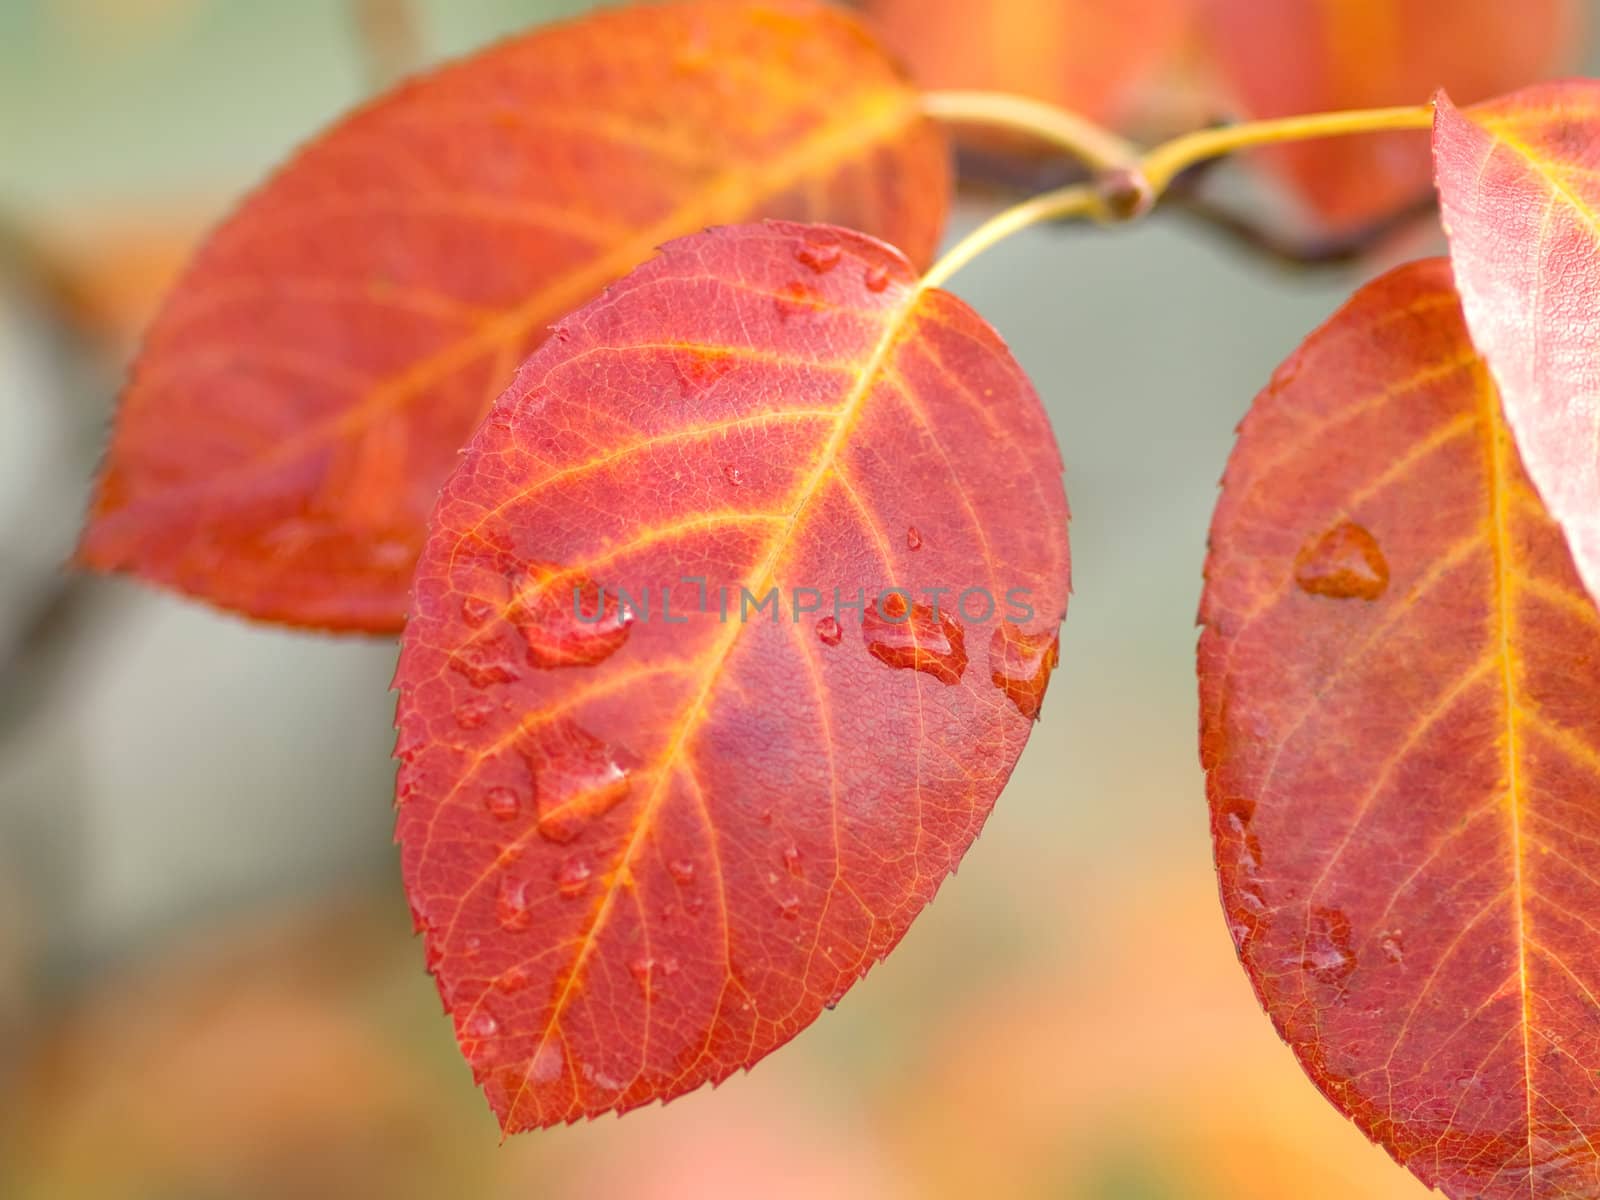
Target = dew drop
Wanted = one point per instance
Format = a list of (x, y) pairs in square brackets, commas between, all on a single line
[(682, 871), (796, 298), (573, 878), (548, 1063), (473, 945), (733, 475), (475, 611), (1344, 563), (791, 860), (1236, 816), (877, 278), (1250, 898), (693, 905), (821, 257), (472, 712), (511, 904), (1393, 948), (1328, 956), (512, 979), (482, 1025), (1020, 665), (501, 803), (828, 631), (928, 642), (482, 670), (565, 618), (789, 907), (577, 777), (913, 539)]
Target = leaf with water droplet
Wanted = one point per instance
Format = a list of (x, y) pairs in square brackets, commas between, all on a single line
[(739, 788), (1426, 762), (307, 387)]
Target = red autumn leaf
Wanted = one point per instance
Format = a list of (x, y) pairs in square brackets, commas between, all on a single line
[(1299, 56), (1084, 55), (307, 388), (1400, 723), (647, 847), (1519, 188)]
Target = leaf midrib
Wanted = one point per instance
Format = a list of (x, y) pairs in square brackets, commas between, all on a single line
[(665, 767), (1500, 544)]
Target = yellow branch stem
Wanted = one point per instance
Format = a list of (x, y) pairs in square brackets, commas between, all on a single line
[(1127, 183), (1170, 159), (1090, 144)]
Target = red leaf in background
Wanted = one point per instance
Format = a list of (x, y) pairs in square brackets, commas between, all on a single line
[(646, 866), (1519, 188), (1299, 56), (1402, 770), (307, 388), (1084, 55)]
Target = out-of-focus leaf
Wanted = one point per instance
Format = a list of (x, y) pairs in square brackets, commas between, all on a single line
[(1298, 56), (649, 847), (1084, 55), (1519, 186), (1400, 707), (308, 386)]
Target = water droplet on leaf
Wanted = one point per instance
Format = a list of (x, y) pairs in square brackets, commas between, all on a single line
[(576, 776), (501, 803), (733, 475), (573, 878), (828, 631), (1393, 948), (1328, 956), (482, 669), (1344, 563), (475, 611), (932, 644), (565, 618), (472, 712), (512, 903), (1020, 665), (547, 1064), (913, 539), (821, 257), (512, 979), (682, 870), (877, 278)]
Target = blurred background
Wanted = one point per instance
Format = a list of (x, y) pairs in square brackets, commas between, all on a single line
[(208, 984)]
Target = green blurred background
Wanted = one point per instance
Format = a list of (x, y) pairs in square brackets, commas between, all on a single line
[(208, 986)]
